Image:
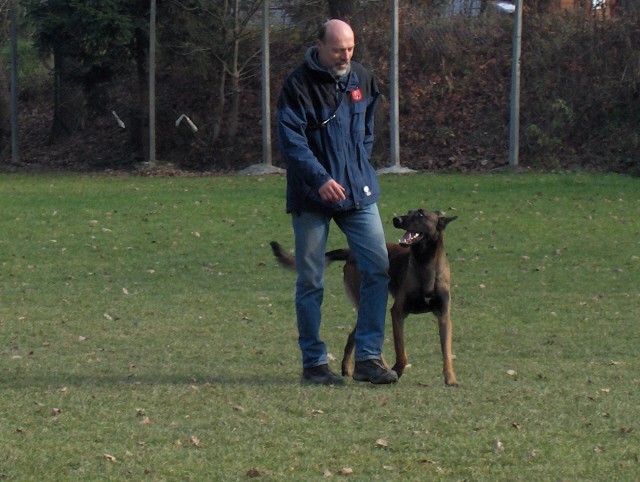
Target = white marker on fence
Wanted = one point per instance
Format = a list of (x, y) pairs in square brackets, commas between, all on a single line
[(120, 123), (189, 122)]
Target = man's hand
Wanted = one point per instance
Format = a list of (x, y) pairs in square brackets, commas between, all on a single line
[(331, 191)]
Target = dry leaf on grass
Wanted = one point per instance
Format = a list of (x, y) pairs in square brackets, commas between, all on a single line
[(382, 443), (253, 472), (110, 458), (427, 461), (195, 441), (346, 471)]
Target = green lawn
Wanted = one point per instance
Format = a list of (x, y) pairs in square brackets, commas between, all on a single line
[(146, 333)]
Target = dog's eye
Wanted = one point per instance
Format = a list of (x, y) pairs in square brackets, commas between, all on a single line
[(420, 213)]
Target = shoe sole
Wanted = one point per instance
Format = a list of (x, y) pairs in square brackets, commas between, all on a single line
[(378, 381)]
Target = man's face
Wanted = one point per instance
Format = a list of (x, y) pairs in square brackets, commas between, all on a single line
[(336, 50)]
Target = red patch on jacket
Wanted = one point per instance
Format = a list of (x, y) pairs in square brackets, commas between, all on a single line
[(356, 95)]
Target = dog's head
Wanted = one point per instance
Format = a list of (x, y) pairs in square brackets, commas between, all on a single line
[(420, 224)]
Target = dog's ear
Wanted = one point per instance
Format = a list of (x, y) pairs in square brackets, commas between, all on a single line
[(443, 221)]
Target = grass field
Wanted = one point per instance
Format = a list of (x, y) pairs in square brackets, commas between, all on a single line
[(146, 333)]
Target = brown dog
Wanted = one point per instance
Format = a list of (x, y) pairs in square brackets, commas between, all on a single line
[(420, 282)]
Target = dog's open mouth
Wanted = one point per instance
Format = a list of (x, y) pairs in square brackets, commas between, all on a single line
[(410, 237)]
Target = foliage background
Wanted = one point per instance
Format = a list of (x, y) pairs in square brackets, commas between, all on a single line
[(580, 83)]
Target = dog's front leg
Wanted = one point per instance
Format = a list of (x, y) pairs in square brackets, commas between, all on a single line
[(348, 354), (397, 318), (445, 327)]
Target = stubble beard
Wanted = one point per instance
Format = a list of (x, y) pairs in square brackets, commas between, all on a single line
[(340, 72)]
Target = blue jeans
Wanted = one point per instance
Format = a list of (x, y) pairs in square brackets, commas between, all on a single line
[(365, 235)]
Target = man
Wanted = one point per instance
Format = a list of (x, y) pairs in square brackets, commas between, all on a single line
[(325, 130)]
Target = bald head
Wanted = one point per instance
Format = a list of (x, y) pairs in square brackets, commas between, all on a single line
[(336, 43)]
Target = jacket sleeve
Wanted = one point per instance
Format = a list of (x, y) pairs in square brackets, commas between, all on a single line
[(292, 138)]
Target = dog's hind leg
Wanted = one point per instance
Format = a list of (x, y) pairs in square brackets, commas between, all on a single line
[(445, 327), (352, 289)]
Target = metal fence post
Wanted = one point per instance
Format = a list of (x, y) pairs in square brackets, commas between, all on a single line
[(514, 123)]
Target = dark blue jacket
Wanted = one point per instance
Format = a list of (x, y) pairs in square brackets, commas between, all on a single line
[(325, 130)]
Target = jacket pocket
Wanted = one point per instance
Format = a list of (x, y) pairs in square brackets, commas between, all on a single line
[(358, 115)]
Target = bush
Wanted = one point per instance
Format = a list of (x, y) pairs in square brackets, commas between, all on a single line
[(580, 97), (580, 94)]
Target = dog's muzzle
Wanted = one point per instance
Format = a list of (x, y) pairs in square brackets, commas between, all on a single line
[(409, 238)]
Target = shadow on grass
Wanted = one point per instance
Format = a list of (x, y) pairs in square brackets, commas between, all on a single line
[(146, 380)]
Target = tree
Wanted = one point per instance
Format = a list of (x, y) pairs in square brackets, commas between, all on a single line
[(243, 29), (90, 42), (216, 40), (343, 9), (5, 118)]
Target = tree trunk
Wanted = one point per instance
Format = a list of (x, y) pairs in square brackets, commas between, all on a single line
[(138, 111), (218, 108), (5, 117), (219, 100), (342, 9), (235, 75), (69, 105)]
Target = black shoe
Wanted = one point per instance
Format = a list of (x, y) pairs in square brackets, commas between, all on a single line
[(320, 375), (374, 371)]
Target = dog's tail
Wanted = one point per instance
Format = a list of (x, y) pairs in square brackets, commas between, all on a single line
[(336, 255), (287, 260)]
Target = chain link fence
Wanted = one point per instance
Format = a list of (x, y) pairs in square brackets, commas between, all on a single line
[(580, 85)]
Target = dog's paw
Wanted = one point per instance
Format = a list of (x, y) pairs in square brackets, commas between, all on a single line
[(398, 369)]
